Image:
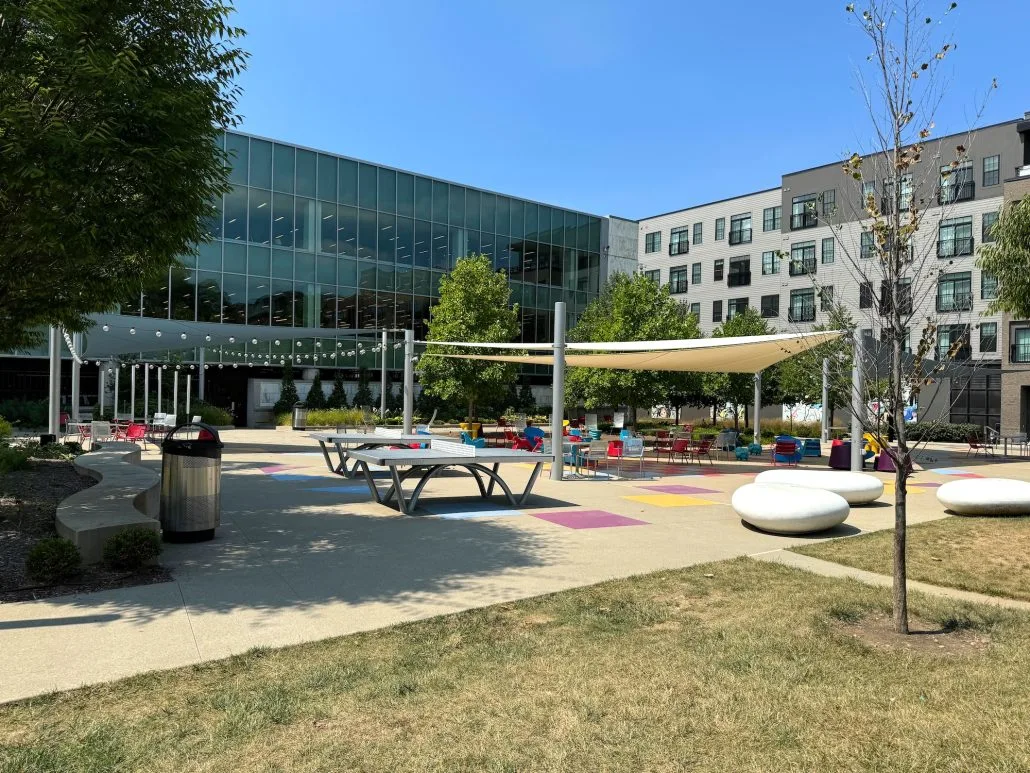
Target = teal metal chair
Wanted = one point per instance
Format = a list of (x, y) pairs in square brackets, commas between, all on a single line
[(468, 440)]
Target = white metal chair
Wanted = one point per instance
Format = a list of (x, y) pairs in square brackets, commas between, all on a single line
[(632, 451), (100, 431)]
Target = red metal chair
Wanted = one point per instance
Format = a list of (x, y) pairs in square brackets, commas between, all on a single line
[(134, 433), (785, 452), (680, 447), (662, 443), (702, 448)]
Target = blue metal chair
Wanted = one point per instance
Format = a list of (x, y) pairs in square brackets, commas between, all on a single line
[(467, 439)]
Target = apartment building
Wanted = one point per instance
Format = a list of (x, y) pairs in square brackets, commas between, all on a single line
[(791, 252)]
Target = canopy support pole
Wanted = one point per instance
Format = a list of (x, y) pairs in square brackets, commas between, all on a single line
[(189, 380), (117, 374), (146, 392), (102, 382), (826, 400), (132, 393), (159, 369), (54, 416), (558, 393), (757, 423), (857, 404), (76, 374), (175, 394), (200, 375), (409, 379), (382, 380)]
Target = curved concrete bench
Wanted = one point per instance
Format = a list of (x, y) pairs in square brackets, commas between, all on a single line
[(986, 496), (856, 487), (126, 495), (782, 509)]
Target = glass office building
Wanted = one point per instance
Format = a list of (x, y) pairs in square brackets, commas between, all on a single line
[(317, 241)]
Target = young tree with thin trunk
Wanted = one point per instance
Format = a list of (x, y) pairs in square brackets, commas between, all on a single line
[(896, 269)]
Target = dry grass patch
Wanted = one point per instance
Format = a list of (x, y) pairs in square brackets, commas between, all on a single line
[(986, 555), (748, 669)]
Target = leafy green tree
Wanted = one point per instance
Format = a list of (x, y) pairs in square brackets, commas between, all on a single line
[(287, 391), (110, 149), (738, 389), (316, 397), (1007, 259), (394, 397), (631, 308), (526, 402), (474, 306), (338, 397), (801, 376), (363, 398)]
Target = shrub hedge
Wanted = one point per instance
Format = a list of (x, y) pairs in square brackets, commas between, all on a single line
[(53, 560), (943, 433), (130, 549)]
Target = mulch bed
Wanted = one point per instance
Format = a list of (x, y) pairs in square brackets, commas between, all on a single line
[(28, 504)]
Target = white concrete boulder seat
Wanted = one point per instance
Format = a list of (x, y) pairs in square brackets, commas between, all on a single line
[(783, 509), (986, 496), (856, 487), (126, 495)]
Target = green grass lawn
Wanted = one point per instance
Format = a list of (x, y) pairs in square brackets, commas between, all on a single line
[(987, 555), (750, 669)]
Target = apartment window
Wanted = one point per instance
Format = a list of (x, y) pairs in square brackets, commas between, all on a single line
[(697, 232), (987, 226), (826, 298), (717, 274), (678, 279), (992, 171), (771, 218), (956, 183), (770, 263), (802, 258), (695, 309), (740, 272), (828, 250), (988, 336), (955, 237), (905, 199), (955, 292), (803, 213), (740, 229), (655, 276), (1019, 351), (988, 286), (830, 201), (802, 306), (720, 229), (695, 273), (865, 295), (679, 241), (953, 341), (867, 246), (868, 189), (735, 306), (770, 306), (904, 297), (653, 241), (716, 311)]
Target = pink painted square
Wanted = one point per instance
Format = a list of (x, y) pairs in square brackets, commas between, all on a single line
[(588, 519)]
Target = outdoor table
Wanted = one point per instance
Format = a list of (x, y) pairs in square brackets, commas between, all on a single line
[(359, 441), (424, 464), (1016, 440)]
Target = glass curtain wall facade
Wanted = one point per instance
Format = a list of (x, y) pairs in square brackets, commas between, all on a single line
[(314, 240)]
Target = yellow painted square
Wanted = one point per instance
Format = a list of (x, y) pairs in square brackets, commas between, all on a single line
[(670, 500), (888, 488)]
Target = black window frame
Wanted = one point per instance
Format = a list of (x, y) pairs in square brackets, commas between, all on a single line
[(716, 311), (956, 183), (735, 306), (828, 204), (865, 295), (986, 235), (867, 245), (991, 338), (995, 174), (738, 273), (804, 212), (695, 273), (955, 246), (806, 266), (988, 280), (833, 251), (698, 235), (718, 270), (826, 298), (720, 229), (678, 279), (678, 245), (695, 309), (807, 311), (654, 274), (774, 260), (963, 301), (739, 234), (652, 242), (772, 218), (770, 306)]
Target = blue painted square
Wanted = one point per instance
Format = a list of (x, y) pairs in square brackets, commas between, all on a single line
[(286, 476), (950, 471), (457, 512), (354, 489)]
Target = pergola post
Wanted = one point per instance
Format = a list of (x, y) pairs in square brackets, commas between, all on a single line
[(382, 379), (200, 375), (102, 380), (146, 392), (117, 374), (159, 369), (558, 394), (757, 423), (826, 400), (189, 380), (409, 379), (857, 404), (54, 415), (76, 374), (132, 393), (175, 394)]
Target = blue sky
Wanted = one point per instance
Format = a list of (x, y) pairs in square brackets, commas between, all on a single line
[(608, 107)]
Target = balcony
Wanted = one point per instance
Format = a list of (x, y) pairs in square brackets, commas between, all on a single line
[(1023, 171), (957, 191), (1019, 352), (679, 248), (738, 279), (962, 353), (956, 302), (801, 220), (955, 248), (803, 313), (802, 267), (740, 236)]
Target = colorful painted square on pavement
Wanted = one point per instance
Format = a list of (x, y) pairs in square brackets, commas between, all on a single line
[(675, 488), (669, 500), (588, 519)]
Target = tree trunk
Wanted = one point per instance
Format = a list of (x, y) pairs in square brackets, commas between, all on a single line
[(472, 411), (900, 534)]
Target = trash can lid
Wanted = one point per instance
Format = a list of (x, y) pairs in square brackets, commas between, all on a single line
[(206, 443)]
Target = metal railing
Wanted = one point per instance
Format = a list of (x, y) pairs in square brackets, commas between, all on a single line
[(956, 302), (956, 191), (802, 267), (740, 236), (955, 248), (738, 279), (679, 248), (804, 313), (801, 220), (1019, 352)]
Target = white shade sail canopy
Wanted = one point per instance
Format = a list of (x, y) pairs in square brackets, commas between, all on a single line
[(743, 354)]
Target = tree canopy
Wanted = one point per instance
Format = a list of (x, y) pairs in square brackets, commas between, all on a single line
[(1007, 259), (474, 306), (110, 124), (631, 308)]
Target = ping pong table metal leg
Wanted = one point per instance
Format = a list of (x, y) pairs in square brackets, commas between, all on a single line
[(490, 488), (328, 461), (363, 468), (530, 484), (397, 491)]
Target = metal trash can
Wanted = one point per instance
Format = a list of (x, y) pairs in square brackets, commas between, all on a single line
[(300, 416), (191, 483)]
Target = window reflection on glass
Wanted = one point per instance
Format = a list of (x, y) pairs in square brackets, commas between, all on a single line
[(282, 220), (367, 186), (366, 234), (304, 268), (304, 229), (234, 299), (327, 183), (348, 182), (183, 291), (306, 171), (387, 190), (237, 148), (258, 300), (259, 216), (325, 215), (282, 303), (155, 298), (236, 213), (306, 299), (282, 264), (347, 230), (260, 163), (405, 194), (346, 307), (387, 237), (282, 168)]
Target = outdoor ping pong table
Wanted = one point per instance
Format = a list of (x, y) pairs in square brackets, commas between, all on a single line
[(348, 442), (425, 463)]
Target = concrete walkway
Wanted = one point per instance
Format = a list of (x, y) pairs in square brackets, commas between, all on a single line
[(831, 569), (303, 555)]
